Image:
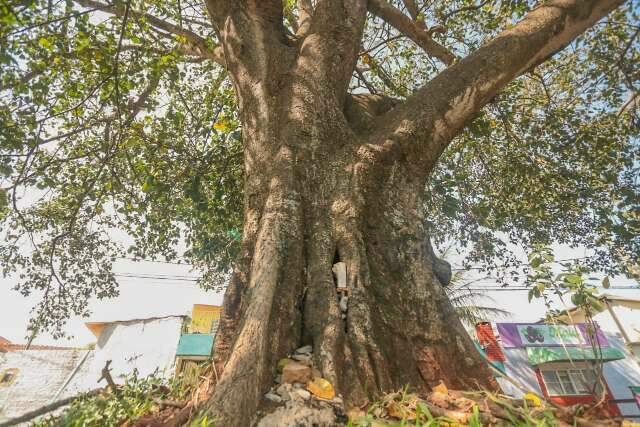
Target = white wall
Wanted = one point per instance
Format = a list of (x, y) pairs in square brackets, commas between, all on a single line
[(518, 368), (620, 374), (41, 373), (629, 318), (145, 345)]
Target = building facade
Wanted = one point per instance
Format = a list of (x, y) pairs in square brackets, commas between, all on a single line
[(561, 363), (30, 378), (615, 314), (33, 377)]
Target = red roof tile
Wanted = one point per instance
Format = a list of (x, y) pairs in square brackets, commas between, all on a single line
[(488, 341), (6, 345)]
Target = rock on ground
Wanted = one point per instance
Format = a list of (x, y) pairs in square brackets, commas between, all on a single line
[(301, 414), (295, 372)]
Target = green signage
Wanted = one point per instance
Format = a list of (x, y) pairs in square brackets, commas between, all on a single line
[(538, 355)]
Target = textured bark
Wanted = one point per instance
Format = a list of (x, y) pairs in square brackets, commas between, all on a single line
[(331, 176)]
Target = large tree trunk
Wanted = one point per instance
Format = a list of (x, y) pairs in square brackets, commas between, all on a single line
[(336, 178), (318, 198)]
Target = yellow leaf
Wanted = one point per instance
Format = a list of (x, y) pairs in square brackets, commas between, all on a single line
[(402, 413), (321, 388), (535, 400), (221, 126), (440, 388)]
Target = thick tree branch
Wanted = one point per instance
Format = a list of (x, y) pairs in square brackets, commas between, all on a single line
[(412, 29), (195, 45), (333, 41), (254, 38), (426, 123), (632, 102), (305, 13), (412, 8)]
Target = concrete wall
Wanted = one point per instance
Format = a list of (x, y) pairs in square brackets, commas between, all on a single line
[(630, 319), (518, 368), (46, 375), (142, 345), (619, 375), (41, 374)]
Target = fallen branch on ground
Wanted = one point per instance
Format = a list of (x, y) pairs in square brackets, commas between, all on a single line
[(48, 408)]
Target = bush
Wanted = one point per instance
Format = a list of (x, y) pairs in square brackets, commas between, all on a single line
[(135, 398)]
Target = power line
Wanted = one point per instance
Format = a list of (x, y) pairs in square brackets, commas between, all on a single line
[(156, 277), (479, 267), (488, 287), (476, 267), (155, 261), (504, 289)]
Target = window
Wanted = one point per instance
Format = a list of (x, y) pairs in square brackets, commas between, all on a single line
[(562, 382), (8, 376), (214, 327)]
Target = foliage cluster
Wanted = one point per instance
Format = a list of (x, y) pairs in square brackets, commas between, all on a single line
[(405, 409), (136, 397), (120, 137)]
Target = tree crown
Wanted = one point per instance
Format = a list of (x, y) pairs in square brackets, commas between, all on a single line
[(122, 116)]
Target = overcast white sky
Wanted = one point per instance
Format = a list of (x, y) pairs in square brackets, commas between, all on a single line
[(140, 298)]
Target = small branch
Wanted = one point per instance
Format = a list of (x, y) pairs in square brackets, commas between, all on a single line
[(106, 375), (116, 62), (165, 402), (417, 33), (463, 9), (362, 78), (632, 102), (48, 408), (52, 21), (305, 13), (412, 8), (24, 79), (195, 42)]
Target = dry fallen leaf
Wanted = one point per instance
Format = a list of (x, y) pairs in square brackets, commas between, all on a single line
[(321, 388), (440, 388)]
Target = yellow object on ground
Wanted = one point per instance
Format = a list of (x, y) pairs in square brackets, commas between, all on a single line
[(321, 388), (535, 400), (440, 388)]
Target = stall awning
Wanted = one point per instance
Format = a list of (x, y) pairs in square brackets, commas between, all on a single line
[(195, 345), (538, 355)]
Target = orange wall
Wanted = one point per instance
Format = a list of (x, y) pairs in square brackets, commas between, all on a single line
[(203, 316)]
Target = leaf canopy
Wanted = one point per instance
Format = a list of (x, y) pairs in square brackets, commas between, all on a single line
[(120, 137)]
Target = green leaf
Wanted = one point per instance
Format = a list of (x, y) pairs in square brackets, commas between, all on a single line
[(574, 279), (44, 43)]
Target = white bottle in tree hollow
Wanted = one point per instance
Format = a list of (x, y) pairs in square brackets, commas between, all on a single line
[(340, 271)]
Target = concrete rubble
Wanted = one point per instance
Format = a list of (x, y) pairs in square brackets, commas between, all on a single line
[(300, 397)]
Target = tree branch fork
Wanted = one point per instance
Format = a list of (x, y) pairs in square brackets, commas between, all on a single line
[(429, 118)]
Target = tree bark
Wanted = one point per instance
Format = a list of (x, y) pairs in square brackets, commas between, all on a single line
[(321, 200), (333, 177)]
